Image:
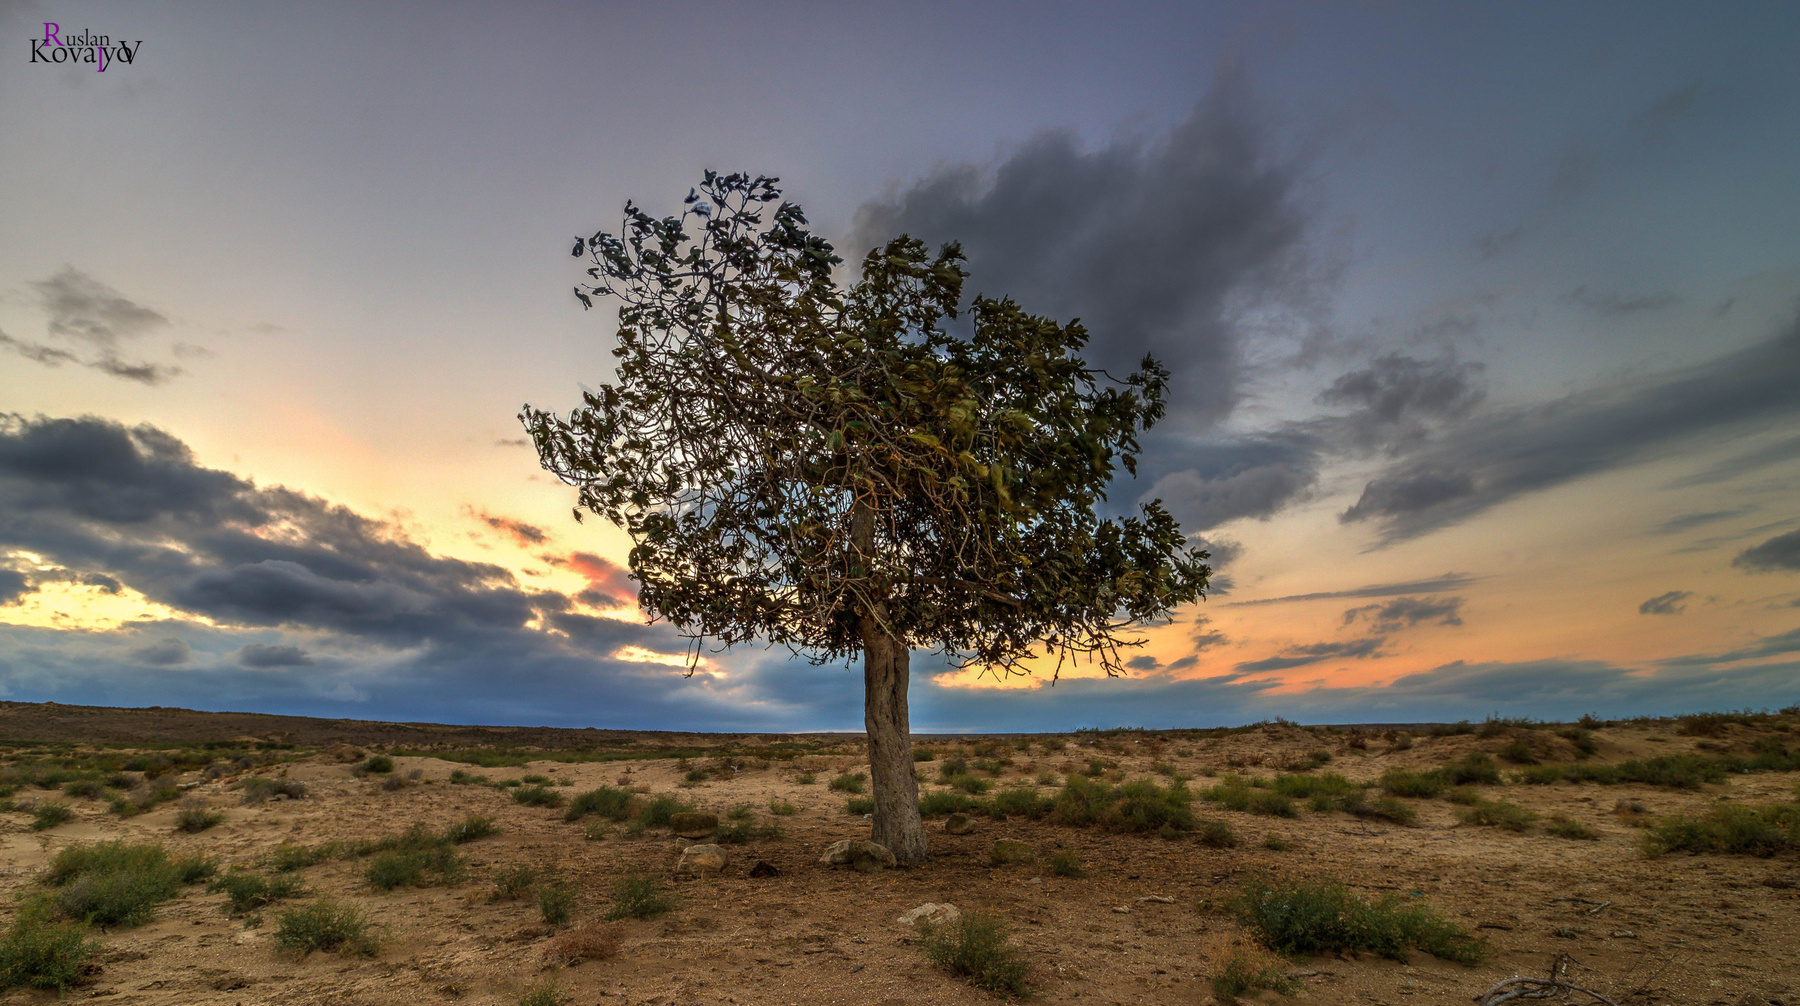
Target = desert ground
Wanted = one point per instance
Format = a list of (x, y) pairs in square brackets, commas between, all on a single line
[(1564, 887)]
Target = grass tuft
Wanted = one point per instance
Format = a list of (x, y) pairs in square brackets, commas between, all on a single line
[(325, 925), (636, 896), (1302, 918), (975, 948), (42, 952), (1241, 975), (49, 814), (247, 891)]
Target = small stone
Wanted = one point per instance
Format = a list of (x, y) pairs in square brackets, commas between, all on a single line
[(764, 868), (861, 854), (693, 824), (1122, 909), (1160, 899), (931, 912), (959, 824), (1623, 934), (1035, 880), (697, 859), (1010, 852)]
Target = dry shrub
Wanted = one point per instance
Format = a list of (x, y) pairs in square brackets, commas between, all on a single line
[(590, 941)]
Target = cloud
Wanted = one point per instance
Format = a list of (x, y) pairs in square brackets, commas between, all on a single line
[(86, 310), (1765, 646), (1749, 461), (1448, 581), (1157, 245), (1665, 604), (1407, 612), (13, 585), (1671, 107), (1200, 503), (263, 655), (1143, 663), (1396, 401), (92, 316), (1779, 554), (1300, 656), (167, 652), (1614, 306), (1688, 521), (1204, 636), (1498, 456), (609, 584), (521, 533)]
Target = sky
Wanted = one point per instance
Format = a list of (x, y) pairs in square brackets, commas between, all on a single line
[(1484, 321)]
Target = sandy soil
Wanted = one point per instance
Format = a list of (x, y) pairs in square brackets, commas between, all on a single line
[(1674, 929)]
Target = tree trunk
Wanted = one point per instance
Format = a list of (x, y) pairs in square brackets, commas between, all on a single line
[(885, 673)]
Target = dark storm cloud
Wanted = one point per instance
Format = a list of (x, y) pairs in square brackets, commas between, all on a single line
[(1144, 663), (96, 318), (1496, 457), (1448, 581), (1407, 612), (1155, 245), (1300, 656), (167, 652), (132, 505), (1665, 604), (1779, 554), (264, 655), (13, 585), (1397, 400), (1220, 482)]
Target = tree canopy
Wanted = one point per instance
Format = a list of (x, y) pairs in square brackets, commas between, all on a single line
[(789, 455)]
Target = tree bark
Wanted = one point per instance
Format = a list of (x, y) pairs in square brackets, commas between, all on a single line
[(885, 672), (886, 669)]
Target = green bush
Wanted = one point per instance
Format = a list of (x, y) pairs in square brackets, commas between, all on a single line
[(537, 795), (515, 882), (1066, 864), (1403, 782), (416, 867), (1734, 829), (545, 993), (857, 806), (49, 814), (972, 785), (1239, 976), (1019, 802), (782, 808), (378, 765), (849, 783), (1568, 827), (42, 952), (946, 802), (196, 819), (463, 777), (473, 827), (257, 788), (116, 884), (1217, 835), (325, 925), (807, 778), (555, 903), (1520, 752), (1275, 843), (1499, 814), (1475, 767), (952, 767), (976, 949), (246, 891), (1138, 806), (1302, 918), (924, 754), (1301, 787), (657, 811), (610, 802), (636, 896)]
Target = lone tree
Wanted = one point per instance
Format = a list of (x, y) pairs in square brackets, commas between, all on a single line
[(832, 470)]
